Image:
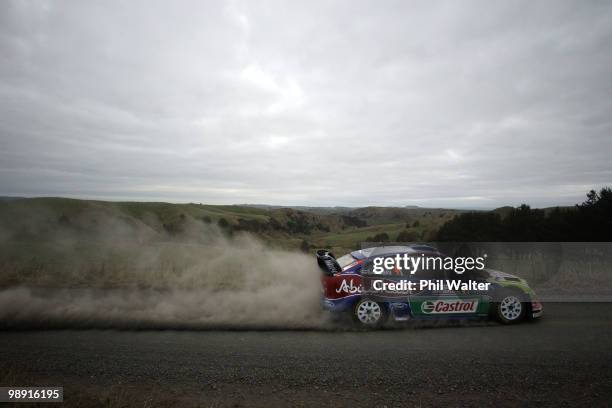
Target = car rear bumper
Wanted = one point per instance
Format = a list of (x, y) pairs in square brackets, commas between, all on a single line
[(339, 305)]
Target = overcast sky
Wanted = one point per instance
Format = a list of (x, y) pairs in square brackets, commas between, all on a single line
[(456, 104)]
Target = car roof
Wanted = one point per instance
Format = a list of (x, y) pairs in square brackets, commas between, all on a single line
[(392, 250)]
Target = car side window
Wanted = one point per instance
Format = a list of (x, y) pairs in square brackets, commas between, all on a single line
[(368, 268), (432, 271), (472, 275)]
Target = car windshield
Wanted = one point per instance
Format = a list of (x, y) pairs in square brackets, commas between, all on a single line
[(345, 260)]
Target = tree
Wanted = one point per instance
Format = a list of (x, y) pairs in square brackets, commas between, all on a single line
[(63, 220), (592, 198), (472, 226), (406, 236), (524, 224), (351, 221), (382, 237), (275, 224), (589, 221), (304, 246), (222, 223)]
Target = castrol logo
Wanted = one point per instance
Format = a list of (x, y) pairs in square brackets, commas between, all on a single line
[(449, 306)]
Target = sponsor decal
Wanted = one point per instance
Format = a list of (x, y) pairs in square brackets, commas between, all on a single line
[(449, 306), (348, 287)]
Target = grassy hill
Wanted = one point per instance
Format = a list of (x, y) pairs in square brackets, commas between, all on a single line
[(68, 242), (340, 228)]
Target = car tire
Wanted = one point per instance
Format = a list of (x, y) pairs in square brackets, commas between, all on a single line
[(369, 313), (511, 308)]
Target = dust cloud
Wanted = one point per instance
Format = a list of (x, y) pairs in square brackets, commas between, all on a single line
[(131, 277)]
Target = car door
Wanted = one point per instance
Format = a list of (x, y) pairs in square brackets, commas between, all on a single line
[(438, 298), (483, 296)]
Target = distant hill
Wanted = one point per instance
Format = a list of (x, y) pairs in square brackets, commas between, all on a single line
[(316, 210), (386, 215), (31, 219)]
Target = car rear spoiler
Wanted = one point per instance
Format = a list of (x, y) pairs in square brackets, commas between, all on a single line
[(327, 262)]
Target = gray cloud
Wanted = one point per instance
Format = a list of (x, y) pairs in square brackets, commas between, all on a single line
[(470, 104)]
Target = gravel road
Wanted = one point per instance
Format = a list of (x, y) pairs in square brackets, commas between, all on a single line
[(563, 360)]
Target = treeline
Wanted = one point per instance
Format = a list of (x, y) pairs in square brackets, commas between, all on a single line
[(589, 221), (292, 222), (404, 236), (295, 222)]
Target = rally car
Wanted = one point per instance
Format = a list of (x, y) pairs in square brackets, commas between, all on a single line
[(346, 288)]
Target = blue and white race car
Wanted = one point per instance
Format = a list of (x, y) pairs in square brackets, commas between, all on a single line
[(347, 288)]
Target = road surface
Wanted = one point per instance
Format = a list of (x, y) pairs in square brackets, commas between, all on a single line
[(563, 360)]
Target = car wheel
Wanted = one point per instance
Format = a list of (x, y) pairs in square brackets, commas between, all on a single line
[(510, 309), (369, 313)]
